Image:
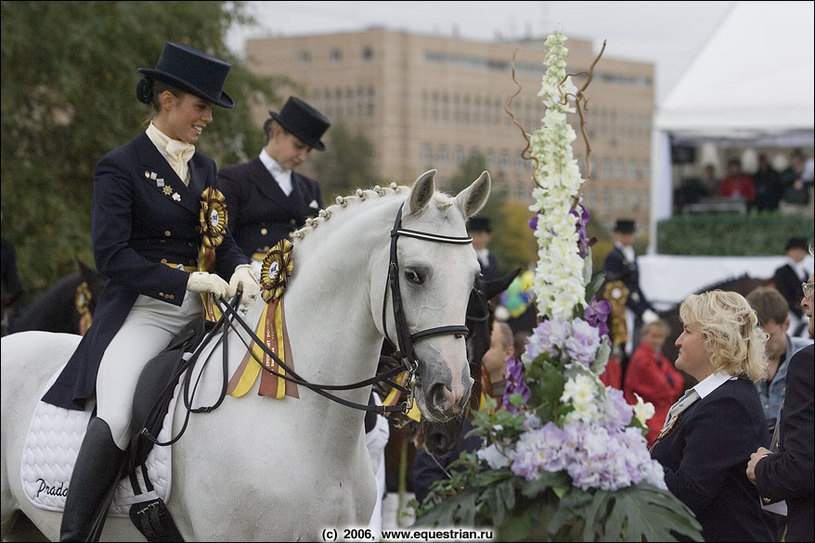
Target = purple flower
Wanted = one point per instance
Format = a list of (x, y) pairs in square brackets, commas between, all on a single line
[(583, 217), (533, 222), (596, 314), (515, 384), (583, 344), (548, 337)]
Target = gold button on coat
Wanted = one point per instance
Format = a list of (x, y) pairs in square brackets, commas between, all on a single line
[(264, 231)]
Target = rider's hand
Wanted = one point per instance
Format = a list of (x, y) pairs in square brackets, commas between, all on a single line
[(208, 282), (244, 280)]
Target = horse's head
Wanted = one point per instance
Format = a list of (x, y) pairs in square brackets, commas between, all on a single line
[(436, 269)]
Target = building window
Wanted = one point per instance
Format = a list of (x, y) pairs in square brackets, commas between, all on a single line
[(304, 57), (459, 156), (442, 155), (335, 56), (367, 53), (427, 155)]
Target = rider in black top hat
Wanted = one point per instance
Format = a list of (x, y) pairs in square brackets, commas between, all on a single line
[(267, 199), (159, 235)]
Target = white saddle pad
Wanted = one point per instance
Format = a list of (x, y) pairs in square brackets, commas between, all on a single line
[(51, 447)]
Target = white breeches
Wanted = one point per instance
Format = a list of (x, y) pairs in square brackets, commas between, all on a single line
[(147, 330)]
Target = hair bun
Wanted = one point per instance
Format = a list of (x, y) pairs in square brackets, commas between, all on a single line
[(144, 91)]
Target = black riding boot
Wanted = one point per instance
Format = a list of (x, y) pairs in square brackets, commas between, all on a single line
[(94, 475)]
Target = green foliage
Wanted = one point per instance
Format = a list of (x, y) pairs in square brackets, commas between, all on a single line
[(550, 509), (346, 165), (69, 75), (722, 234)]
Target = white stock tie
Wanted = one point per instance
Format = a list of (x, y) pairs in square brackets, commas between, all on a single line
[(178, 154), (681, 405)]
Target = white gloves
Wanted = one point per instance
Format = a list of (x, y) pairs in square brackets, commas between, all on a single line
[(649, 316), (243, 279), (208, 282)]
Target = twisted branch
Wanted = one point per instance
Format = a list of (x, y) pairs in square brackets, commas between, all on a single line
[(525, 154), (581, 103)]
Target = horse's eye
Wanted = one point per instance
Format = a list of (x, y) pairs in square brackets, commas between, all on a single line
[(413, 276)]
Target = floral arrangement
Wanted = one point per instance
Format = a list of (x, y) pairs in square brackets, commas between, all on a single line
[(566, 458)]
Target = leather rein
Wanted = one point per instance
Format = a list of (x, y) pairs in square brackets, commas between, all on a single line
[(405, 341)]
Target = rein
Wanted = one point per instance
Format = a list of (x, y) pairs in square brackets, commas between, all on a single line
[(404, 347)]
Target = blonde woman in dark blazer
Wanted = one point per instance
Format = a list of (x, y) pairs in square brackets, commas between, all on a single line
[(704, 448)]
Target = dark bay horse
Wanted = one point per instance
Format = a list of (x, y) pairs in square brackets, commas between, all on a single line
[(67, 306)]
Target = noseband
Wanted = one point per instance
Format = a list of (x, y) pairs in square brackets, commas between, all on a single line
[(405, 340)]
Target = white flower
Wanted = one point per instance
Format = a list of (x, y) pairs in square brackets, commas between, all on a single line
[(643, 410), (493, 456)]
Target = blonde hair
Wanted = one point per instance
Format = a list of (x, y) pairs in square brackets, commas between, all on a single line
[(730, 330)]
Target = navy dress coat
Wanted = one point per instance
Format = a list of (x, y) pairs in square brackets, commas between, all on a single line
[(788, 474), (260, 213), (143, 215), (619, 268), (705, 456)]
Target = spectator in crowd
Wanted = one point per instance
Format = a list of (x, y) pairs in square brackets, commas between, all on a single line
[(709, 179), (797, 179), (772, 311), (711, 431), (621, 266), (652, 376), (769, 188), (786, 471), (787, 279), (480, 229), (494, 361), (737, 185), (267, 200), (690, 191)]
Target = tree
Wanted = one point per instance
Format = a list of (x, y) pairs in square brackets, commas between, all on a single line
[(69, 75), (346, 164)]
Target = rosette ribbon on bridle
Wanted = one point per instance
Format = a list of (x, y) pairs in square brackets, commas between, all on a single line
[(213, 220), (275, 271)]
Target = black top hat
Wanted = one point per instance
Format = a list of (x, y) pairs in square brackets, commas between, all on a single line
[(799, 243), (479, 224), (192, 71), (625, 226), (303, 121)]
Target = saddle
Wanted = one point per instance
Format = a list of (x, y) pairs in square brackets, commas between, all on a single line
[(151, 401)]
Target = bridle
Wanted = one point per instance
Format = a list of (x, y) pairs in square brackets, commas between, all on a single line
[(405, 341)]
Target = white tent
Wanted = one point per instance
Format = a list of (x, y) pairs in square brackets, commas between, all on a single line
[(752, 84)]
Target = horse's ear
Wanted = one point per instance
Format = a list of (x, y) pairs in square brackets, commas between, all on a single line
[(423, 189), (496, 286), (473, 198)]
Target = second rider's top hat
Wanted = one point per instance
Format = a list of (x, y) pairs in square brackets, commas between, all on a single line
[(303, 121), (625, 226), (189, 70)]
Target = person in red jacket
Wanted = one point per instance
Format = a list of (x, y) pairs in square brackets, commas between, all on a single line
[(653, 377), (737, 184)]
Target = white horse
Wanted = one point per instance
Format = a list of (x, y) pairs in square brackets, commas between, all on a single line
[(259, 468)]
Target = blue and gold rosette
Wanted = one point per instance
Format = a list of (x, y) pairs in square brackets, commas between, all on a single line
[(212, 225), (275, 271)]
